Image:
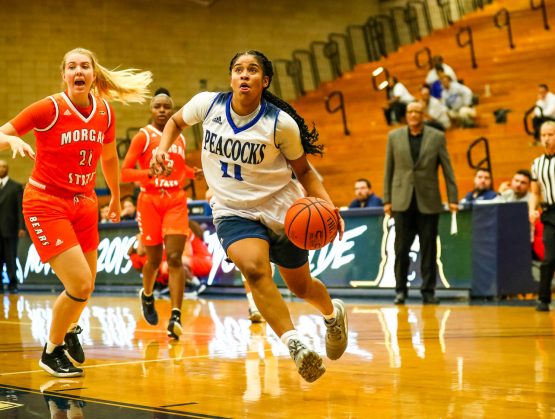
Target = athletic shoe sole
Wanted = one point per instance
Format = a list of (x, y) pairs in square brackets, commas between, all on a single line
[(59, 374), (175, 330), (311, 367)]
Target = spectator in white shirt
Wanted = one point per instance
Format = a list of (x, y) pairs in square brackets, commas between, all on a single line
[(398, 98), (458, 99), (545, 102), (435, 112)]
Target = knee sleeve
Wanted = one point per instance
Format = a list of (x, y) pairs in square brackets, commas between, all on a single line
[(79, 300)]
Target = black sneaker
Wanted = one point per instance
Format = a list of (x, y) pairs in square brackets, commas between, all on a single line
[(74, 350), (58, 364), (147, 308), (174, 327)]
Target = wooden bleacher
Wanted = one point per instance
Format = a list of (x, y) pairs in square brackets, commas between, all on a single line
[(512, 74)]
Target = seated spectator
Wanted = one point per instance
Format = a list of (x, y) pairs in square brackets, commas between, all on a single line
[(103, 214), (518, 189), (482, 188), (437, 66), (365, 196), (435, 112), (436, 88), (398, 98), (128, 209), (458, 99), (546, 101)]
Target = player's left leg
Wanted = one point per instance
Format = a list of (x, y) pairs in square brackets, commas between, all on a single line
[(312, 290), (175, 243)]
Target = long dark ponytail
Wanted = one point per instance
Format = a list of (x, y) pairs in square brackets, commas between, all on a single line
[(309, 138)]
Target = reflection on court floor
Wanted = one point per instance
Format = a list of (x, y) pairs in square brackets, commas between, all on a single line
[(452, 360)]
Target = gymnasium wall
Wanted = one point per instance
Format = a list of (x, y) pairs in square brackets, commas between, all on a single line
[(180, 41)]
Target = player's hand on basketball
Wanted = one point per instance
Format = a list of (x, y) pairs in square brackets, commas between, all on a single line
[(114, 210), (341, 226), (20, 147)]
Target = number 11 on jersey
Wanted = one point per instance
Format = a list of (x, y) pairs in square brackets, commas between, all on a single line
[(236, 170)]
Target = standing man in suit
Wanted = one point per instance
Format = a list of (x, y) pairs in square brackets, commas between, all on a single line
[(412, 197), (11, 225)]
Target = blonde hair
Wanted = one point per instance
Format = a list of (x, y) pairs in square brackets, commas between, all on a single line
[(126, 86), (548, 124)]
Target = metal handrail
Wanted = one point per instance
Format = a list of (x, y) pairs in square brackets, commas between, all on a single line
[(376, 40), (469, 41), (362, 28), (427, 63), (411, 19), (316, 72), (393, 12), (331, 52), (341, 106), (375, 74), (392, 29), (295, 55), (543, 7), (504, 13), (486, 159), (276, 85), (445, 8), (426, 10), (348, 47)]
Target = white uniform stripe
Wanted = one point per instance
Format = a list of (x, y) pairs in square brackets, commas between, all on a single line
[(55, 118), (543, 171)]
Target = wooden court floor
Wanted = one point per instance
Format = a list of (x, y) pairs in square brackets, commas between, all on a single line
[(448, 361)]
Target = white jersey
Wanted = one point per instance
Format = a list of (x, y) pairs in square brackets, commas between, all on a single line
[(244, 158)]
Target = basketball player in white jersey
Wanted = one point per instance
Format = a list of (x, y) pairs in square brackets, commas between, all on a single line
[(252, 140)]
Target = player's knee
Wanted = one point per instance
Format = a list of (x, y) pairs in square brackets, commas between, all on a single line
[(254, 271), (299, 289), (154, 261), (80, 292), (174, 260)]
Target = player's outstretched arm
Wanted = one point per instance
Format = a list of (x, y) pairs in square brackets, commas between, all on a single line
[(9, 139)]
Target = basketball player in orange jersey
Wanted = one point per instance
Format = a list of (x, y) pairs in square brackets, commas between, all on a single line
[(161, 210), (252, 140), (73, 129)]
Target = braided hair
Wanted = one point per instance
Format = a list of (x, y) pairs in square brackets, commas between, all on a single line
[(309, 138)]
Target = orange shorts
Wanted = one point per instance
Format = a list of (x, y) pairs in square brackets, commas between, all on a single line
[(160, 214), (57, 224)]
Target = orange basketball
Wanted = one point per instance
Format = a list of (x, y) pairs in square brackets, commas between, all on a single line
[(311, 223)]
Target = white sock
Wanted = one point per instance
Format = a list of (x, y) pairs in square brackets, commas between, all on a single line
[(252, 304), (72, 327), (287, 336), (145, 294), (50, 347), (331, 317)]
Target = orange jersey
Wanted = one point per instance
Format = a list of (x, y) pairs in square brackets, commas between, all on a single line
[(69, 142), (143, 146)]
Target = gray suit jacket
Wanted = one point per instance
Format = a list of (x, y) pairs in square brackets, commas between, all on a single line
[(403, 176)]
